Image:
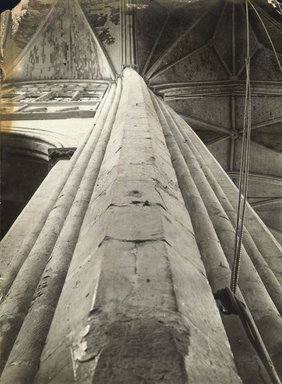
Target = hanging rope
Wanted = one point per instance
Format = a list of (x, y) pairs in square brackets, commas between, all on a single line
[(244, 166), (229, 303), (245, 151)]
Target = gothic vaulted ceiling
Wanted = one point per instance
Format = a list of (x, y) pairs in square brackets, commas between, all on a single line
[(192, 53)]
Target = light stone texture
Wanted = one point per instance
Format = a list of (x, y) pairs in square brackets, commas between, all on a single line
[(136, 302)]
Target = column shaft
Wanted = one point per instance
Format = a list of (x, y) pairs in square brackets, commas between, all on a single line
[(136, 303)]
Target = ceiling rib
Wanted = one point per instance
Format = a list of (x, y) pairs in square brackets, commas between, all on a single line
[(222, 61), (218, 139), (33, 39), (267, 202), (255, 50), (219, 19), (97, 40), (167, 67), (259, 177), (149, 58), (205, 124), (158, 62), (266, 123)]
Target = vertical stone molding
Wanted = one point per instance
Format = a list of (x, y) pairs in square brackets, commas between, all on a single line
[(114, 281), (136, 304), (19, 293), (116, 263), (203, 196), (262, 239)]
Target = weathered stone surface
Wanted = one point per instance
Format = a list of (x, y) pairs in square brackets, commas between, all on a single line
[(136, 305), (136, 290), (104, 18), (36, 289), (266, 315), (63, 48)]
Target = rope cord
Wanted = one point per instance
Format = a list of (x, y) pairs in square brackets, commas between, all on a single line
[(244, 166), (230, 304), (245, 152), (256, 339)]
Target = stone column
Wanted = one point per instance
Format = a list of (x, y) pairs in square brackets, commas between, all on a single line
[(123, 295)]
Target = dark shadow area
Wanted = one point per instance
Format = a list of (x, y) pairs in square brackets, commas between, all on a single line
[(8, 4), (22, 171)]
